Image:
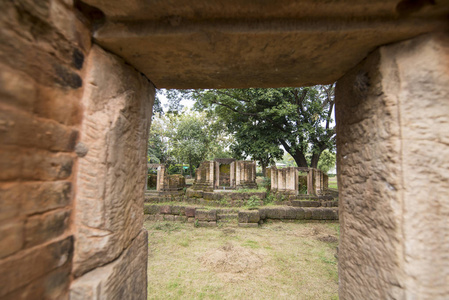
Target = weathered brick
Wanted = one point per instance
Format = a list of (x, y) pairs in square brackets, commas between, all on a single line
[(43, 196), (52, 286), (206, 215), (61, 105), (299, 213), (41, 228), (249, 216), (275, 213), (165, 209), (190, 211), (24, 129), (22, 268), (290, 213), (177, 210), (329, 214), (151, 209), (17, 89), (10, 200), (307, 213), (11, 237), (206, 224), (169, 218), (317, 213), (32, 164), (262, 213)]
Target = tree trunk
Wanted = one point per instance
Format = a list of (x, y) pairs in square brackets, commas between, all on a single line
[(264, 169), (315, 159), (300, 159)]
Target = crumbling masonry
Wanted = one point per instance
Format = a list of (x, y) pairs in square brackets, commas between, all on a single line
[(77, 84)]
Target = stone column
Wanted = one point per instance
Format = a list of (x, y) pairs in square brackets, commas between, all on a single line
[(211, 174), (281, 182), (237, 173), (217, 174), (318, 180), (311, 182), (110, 254), (158, 179), (232, 175), (392, 114), (325, 181), (274, 178)]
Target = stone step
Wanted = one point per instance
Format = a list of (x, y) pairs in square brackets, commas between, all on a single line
[(227, 216)]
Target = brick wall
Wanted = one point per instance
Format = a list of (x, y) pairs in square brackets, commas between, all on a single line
[(42, 50)]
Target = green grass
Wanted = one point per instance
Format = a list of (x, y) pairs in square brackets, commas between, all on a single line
[(333, 186), (277, 260)]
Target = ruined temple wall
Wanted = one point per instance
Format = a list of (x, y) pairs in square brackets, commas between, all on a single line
[(74, 119), (392, 113), (43, 45), (117, 104)]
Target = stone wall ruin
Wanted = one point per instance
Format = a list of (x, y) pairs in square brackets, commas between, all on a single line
[(289, 181), (166, 183), (242, 174), (75, 113)]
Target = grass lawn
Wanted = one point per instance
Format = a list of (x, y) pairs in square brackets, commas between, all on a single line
[(333, 182), (275, 261)]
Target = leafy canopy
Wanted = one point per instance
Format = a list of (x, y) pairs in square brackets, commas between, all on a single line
[(263, 120)]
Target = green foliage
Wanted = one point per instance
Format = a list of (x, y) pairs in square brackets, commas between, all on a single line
[(158, 140), (266, 183), (270, 198), (263, 120), (224, 201), (302, 190), (253, 201), (258, 190), (190, 140), (327, 161)]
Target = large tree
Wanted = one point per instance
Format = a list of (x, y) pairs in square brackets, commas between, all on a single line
[(299, 119), (190, 139)]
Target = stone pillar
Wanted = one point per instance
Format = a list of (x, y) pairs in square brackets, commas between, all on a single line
[(158, 180), (274, 178), (311, 182), (217, 174), (392, 114), (211, 174), (325, 181), (110, 254), (318, 180), (232, 175), (281, 182), (237, 173)]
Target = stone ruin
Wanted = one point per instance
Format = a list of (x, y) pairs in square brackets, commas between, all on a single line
[(225, 174), (77, 86), (165, 183), (290, 181)]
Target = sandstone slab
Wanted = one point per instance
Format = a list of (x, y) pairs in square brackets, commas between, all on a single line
[(124, 278), (110, 194)]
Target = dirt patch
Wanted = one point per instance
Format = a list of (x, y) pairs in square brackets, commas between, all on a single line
[(328, 238), (232, 259)]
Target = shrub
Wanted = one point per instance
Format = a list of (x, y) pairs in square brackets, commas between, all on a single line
[(266, 183), (224, 201), (253, 201), (269, 199)]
